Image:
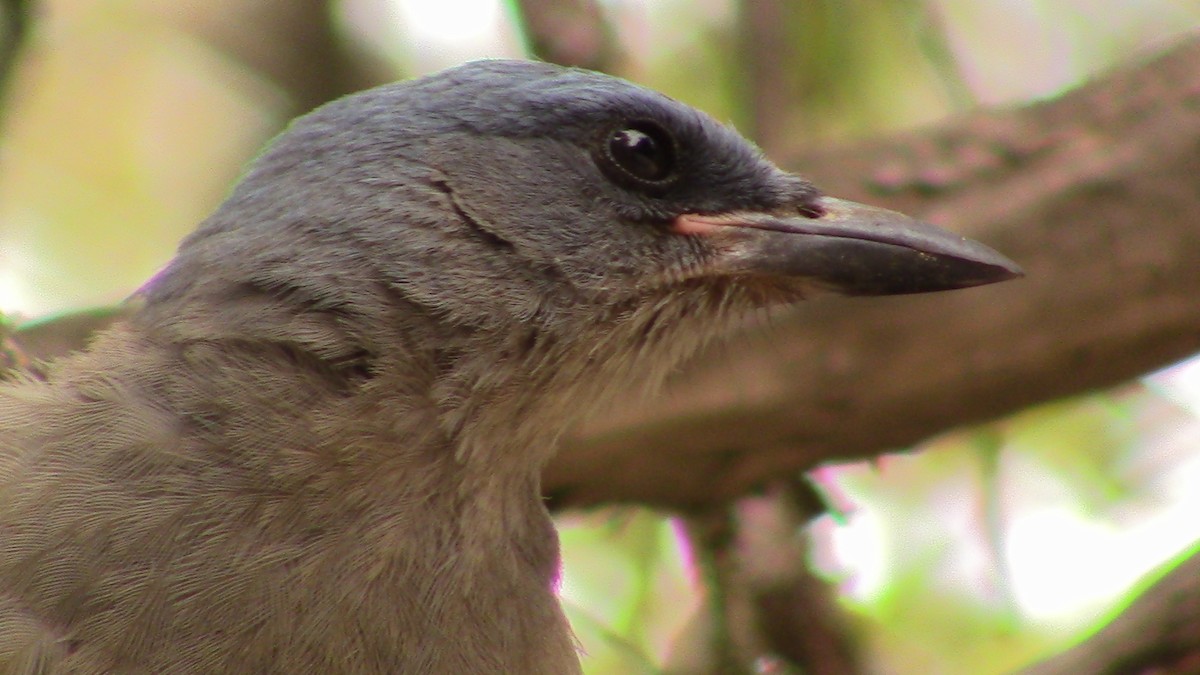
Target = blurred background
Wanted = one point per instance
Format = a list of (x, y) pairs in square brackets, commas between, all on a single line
[(126, 121)]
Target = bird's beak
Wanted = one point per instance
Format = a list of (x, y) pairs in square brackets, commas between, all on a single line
[(854, 248)]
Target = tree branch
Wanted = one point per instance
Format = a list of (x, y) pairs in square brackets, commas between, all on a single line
[(15, 19), (571, 33), (293, 43)]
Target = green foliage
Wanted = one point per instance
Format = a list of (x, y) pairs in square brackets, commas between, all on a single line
[(630, 589)]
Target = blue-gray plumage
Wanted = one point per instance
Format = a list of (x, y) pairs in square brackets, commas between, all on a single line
[(315, 445)]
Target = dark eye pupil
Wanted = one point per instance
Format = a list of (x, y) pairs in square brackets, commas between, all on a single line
[(644, 153)]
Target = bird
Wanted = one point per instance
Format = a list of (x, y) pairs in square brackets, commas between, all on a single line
[(314, 443)]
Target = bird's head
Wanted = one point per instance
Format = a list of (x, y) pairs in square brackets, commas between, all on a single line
[(506, 194)]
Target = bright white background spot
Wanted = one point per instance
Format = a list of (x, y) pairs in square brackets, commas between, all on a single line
[(1064, 562), (1180, 383), (13, 299), (428, 35), (450, 21), (857, 550)]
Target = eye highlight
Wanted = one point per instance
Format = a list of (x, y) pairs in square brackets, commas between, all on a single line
[(640, 155)]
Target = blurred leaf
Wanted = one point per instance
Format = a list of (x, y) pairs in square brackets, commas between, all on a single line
[(628, 569), (1084, 444), (99, 183)]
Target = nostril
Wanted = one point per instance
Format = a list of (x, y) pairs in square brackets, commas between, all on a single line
[(811, 210)]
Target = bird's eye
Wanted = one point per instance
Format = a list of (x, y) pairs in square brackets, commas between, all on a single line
[(639, 155)]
